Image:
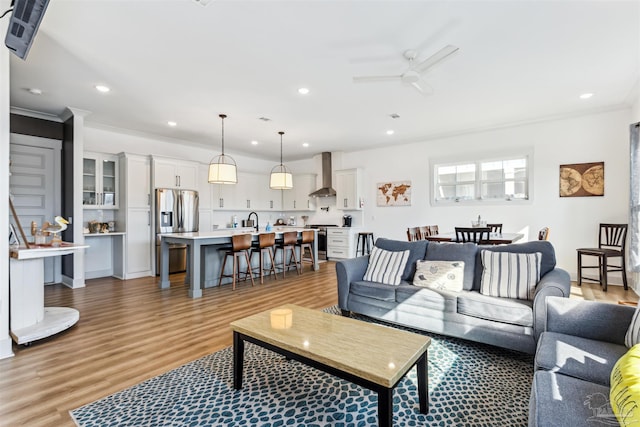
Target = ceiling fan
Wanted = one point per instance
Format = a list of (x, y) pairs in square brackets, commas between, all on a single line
[(413, 75)]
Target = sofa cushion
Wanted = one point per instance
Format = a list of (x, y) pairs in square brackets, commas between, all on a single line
[(386, 266), (504, 310), (510, 275), (465, 252), (632, 337), (443, 275), (625, 388), (560, 400), (547, 263), (374, 290), (407, 294), (417, 248), (577, 357)]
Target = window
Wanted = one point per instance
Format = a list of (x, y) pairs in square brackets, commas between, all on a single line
[(482, 180)]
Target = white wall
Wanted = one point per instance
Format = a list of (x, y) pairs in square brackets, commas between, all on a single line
[(573, 221), (5, 339)]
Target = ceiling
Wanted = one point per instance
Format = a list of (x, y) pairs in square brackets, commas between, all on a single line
[(177, 60)]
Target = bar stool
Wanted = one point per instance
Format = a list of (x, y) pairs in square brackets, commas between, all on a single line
[(289, 241), (366, 239), (306, 242), (240, 245), (265, 244)]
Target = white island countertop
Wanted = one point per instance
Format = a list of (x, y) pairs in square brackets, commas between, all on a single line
[(229, 232)]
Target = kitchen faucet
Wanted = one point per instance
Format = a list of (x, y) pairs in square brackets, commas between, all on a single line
[(249, 218)]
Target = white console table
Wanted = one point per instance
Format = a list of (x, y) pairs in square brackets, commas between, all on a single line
[(30, 319)]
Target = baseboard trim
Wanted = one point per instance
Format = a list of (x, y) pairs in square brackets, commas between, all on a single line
[(6, 348)]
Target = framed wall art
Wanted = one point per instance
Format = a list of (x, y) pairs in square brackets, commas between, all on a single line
[(582, 180), (396, 193)]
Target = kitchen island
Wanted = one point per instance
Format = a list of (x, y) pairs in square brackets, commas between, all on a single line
[(203, 257)]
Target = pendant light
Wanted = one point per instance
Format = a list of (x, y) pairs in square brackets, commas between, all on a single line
[(281, 178), (222, 169)]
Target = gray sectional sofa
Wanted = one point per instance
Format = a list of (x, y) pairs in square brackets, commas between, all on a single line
[(574, 359), (510, 323)]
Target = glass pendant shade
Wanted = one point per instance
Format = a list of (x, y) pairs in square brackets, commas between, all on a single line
[(281, 177), (222, 168)]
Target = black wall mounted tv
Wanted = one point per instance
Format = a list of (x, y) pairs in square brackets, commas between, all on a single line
[(24, 23)]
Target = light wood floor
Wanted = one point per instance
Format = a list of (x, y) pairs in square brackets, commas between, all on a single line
[(130, 331)]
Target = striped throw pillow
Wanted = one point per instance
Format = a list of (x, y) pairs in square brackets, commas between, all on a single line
[(510, 275), (632, 337), (386, 266)]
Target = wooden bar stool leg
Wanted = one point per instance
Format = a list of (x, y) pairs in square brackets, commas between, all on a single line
[(579, 269), (224, 263), (273, 263), (603, 273), (248, 272)]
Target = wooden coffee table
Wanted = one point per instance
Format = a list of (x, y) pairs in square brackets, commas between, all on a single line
[(373, 356)]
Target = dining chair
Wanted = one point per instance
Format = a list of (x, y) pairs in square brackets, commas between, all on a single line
[(543, 234), (433, 230), (611, 244), (479, 235), (424, 231), (495, 228), (413, 234)]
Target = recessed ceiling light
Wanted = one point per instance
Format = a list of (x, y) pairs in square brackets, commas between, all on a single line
[(254, 142), (102, 88), (586, 95), (394, 115), (35, 91), (264, 119), (303, 91), (305, 144), (390, 132), (172, 124)]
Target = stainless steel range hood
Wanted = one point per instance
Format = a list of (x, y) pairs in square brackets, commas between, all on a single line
[(326, 190)]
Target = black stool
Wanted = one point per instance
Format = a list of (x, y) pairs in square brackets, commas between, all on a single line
[(366, 239)]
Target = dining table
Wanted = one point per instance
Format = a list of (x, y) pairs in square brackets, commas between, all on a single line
[(494, 238)]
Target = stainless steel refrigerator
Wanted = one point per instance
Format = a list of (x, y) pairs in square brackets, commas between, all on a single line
[(176, 212)]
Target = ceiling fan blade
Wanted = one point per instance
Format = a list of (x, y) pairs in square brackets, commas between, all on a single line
[(363, 79), (435, 58), (422, 87)]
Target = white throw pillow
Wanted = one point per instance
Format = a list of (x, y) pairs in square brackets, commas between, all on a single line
[(386, 266), (442, 275), (510, 275), (632, 337)]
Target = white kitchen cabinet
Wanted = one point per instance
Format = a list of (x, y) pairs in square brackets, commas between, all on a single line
[(205, 190), (134, 217), (100, 181), (139, 243), (251, 193), (297, 199), (171, 173), (349, 189), (341, 242)]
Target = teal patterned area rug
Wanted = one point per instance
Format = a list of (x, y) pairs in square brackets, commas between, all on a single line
[(470, 384)]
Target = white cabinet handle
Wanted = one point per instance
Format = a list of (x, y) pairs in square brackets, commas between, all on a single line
[(294, 204), (271, 204), (344, 204), (248, 204), (221, 202)]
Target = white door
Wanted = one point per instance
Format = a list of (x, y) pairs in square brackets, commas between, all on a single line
[(35, 190)]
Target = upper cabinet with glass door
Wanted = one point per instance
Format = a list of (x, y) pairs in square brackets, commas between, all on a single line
[(100, 181)]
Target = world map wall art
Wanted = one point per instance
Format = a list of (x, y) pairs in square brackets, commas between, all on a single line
[(396, 193), (582, 180)]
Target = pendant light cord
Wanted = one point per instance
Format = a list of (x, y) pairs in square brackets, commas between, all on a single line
[(281, 133), (223, 116)]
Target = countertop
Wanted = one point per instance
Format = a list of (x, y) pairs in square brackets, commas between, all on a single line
[(230, 232), (111, 233)]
